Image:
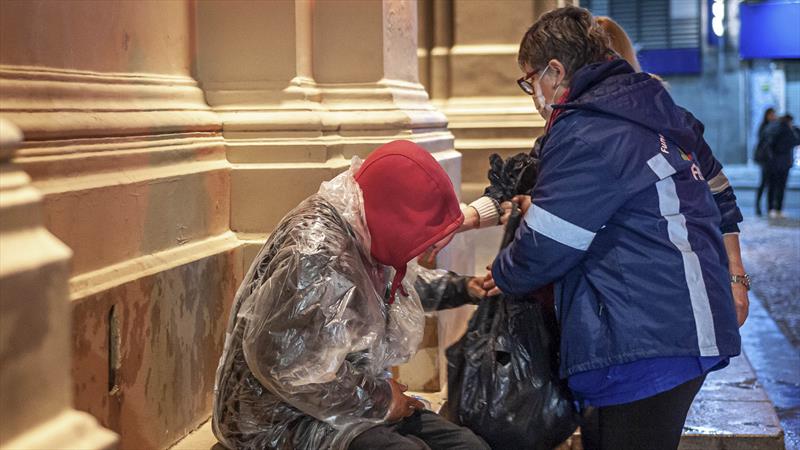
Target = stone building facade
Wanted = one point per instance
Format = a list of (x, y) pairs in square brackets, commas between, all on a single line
[(163, 140)]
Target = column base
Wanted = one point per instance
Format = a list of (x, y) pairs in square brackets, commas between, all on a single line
[(69, 430)]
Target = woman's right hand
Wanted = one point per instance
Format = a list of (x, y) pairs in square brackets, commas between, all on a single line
[(522, 201), (489, 285)]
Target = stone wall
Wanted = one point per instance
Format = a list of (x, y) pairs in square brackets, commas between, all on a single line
[(167, 139)]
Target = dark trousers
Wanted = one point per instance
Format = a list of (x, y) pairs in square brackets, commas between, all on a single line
[(761, 185), (776, 188), (653, 423), (422, 431)]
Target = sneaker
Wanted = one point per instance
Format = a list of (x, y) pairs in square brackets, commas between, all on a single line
[(773, 214)]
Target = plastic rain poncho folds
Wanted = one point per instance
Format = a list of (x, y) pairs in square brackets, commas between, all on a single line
[(310, 338)]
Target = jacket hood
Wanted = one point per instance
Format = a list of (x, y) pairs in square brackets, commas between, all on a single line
[(613, 87), (409, 204)]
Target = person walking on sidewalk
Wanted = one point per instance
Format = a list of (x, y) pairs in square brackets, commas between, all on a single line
[(627, 218), (783, 137), (763, 154)]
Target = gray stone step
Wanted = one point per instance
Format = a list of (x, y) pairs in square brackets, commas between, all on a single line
[(732, 411)]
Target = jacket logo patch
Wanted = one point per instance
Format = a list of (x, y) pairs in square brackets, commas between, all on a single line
[(696, 172), (663, 143)]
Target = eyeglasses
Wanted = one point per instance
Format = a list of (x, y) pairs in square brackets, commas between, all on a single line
[(526, 85)]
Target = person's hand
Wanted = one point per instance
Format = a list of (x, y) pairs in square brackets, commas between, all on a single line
[(427, 259), (402, 405), (475, 287), (507, 207), (524, 202), (741, 301), (489, 285)]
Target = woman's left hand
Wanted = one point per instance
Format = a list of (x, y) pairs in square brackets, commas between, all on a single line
[(741, 302), (489, 285)]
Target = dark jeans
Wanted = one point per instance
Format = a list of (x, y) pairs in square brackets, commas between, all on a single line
[(422, 431), (761, 185), (776, 188), (653, 423)]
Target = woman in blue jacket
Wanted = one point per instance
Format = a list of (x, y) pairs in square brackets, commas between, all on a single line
[(627, 220)]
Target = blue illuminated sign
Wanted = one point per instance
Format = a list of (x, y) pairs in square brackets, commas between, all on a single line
[(770, 30)]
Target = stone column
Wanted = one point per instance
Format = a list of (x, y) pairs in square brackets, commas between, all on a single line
[(297, 102), (131, 163), (301, 88), (35, 383), (436, 40), (253, 63), (372, 68), (473, 71)]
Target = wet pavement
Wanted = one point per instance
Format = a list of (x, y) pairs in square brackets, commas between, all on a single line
[(777, 365), (771, 336), (771, 252)]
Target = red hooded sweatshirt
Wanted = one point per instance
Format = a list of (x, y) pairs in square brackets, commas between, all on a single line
[(409, 203)]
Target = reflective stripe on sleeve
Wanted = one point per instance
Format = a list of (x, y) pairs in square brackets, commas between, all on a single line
[(558, 229)]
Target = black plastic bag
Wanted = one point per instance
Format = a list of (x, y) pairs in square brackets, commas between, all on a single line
[(514, 176), (502, 377)]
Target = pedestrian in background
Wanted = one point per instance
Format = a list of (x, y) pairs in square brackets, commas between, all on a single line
[(783, 137), (762, 155)]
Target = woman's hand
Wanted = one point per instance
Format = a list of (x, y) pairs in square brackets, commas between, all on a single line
[(741, 302), (522, 201), (740, 299), (489, 285), (507, 207)]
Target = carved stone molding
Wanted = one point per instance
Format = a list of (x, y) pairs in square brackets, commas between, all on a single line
[(51, 103)]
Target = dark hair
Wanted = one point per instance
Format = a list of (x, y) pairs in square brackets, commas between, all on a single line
[(787, 118), (765, 120), (568, 34)]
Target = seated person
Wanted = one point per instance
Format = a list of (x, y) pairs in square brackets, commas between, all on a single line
[(326, 309)]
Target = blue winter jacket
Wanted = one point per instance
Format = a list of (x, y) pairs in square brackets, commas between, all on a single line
[(627, 220)]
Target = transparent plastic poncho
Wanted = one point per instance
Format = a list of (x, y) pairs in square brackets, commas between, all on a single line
[(311, 338)]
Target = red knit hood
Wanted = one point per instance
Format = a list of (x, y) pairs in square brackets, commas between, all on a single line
[(409, 203)]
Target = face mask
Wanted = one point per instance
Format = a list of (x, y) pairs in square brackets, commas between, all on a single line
[(544, 108)]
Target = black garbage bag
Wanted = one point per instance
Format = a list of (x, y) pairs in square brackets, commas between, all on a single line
[(502, 377), (513, 176)]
